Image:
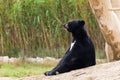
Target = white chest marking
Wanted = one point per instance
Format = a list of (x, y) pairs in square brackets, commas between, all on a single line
[(72, 44)]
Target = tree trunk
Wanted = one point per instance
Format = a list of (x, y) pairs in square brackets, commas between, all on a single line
[(107, 13)]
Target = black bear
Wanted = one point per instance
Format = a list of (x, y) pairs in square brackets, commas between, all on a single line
[(81, 53)]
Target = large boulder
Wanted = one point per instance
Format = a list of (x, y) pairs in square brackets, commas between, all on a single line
[(107, 71)]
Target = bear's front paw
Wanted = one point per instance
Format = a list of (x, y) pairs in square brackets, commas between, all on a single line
[(49, 73), (46, 73)]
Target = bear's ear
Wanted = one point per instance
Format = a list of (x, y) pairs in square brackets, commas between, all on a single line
[(82, 22)]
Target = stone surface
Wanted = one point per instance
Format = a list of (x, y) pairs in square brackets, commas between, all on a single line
[(106, 71)]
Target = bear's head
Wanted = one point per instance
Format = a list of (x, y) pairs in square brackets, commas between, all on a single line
[(74, 25)]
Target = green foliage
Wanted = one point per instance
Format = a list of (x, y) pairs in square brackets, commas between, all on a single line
[(12, 70), (31, 26)]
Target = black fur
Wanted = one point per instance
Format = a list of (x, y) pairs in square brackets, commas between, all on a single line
[(81, 55)]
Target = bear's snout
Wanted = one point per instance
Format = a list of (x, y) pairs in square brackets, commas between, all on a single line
[(65, 26)]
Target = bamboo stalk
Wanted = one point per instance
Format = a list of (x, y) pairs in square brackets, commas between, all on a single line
[(44, 32), (2, 41)]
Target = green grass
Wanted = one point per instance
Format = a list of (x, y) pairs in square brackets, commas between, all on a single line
[(20, 70)]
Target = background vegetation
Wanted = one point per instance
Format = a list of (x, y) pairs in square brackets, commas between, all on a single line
[(34, 27), (21, 70)]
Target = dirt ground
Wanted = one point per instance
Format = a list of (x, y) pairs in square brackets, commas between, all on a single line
[(107, 71)]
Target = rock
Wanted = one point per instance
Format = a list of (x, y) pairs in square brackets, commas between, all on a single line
[(107, 71), (40, 60), (6, 78), (5, 59), (49, 59), (13, 60), (31, 60)]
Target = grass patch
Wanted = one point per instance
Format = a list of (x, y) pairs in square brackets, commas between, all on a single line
[(21, 70)]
